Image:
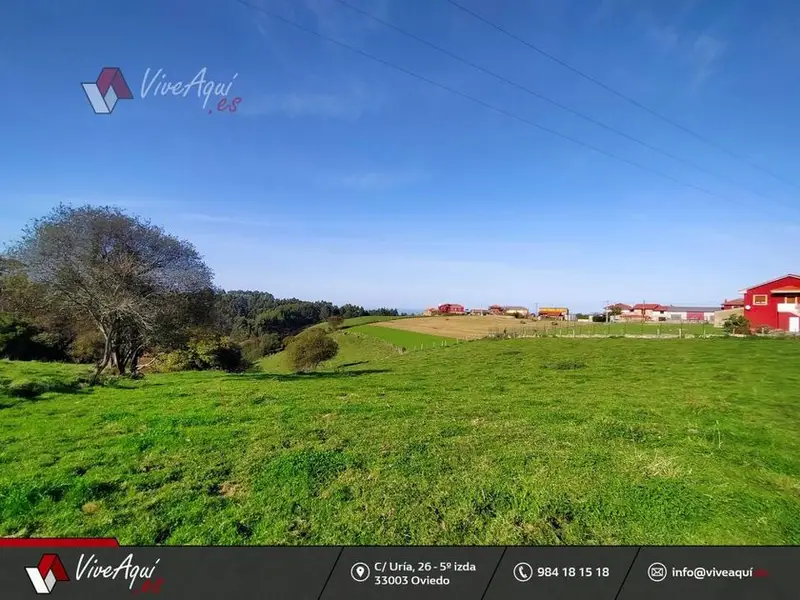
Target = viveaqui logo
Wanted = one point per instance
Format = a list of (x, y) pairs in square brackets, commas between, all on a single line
[(111, 87), (104, 93), (45, 575)]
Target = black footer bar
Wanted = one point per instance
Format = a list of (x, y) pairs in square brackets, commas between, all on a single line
[(365, 573)]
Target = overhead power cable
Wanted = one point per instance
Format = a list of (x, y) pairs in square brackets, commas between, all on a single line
[(622, 96), (475, 100), (555, 103)]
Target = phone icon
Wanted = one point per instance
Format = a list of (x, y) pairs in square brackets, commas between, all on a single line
[(523, 572)]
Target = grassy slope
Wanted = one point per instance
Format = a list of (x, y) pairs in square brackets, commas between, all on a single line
[(356, 321), (401, 338), (354, 351), (651, 442)]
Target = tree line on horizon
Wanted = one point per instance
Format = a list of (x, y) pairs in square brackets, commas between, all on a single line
[(96, 285)]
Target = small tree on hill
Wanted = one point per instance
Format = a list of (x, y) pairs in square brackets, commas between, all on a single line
[(335, 323), (307, 351), (737, 324)]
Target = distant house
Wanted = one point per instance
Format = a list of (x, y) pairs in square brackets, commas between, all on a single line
[(451, 309), (691, 313), (479, 311), (731, 304), (553, 314), (645, 312), (774, 304), (516, 310), (496, 309), (429, 312)]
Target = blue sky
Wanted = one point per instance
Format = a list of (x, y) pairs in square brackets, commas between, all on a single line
[(341, 179)]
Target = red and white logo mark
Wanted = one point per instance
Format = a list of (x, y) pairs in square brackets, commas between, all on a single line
[(44, 576)]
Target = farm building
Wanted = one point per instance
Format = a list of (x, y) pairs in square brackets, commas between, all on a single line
[(645, 312), (774, 304), (496, 309), (429, 312), (451, 309), (731, 304), (690, 313), (516, 310), (553, 313), (479, 311)]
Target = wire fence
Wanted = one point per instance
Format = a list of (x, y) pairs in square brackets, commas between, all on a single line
[(660, 329)]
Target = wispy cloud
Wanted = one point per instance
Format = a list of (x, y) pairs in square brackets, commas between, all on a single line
[(700, 52), (349, 105), (377, 180), (337, 21), (228, 220), (706, 51), (325, 16)]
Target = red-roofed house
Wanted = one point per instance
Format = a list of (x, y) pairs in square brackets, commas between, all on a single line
[(451, 309), (774, 304), (646, 312), (729, 304)]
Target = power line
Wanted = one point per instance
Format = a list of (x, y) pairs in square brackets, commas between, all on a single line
[(491, 107), (549, 100), (619, 94)]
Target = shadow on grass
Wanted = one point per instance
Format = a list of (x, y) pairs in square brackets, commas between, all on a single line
[(352, 364), (33, 392), (313, 375)]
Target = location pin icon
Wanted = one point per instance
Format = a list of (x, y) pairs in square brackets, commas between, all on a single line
[(360, 571)]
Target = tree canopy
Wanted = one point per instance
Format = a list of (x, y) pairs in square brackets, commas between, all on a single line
[(132, 280)]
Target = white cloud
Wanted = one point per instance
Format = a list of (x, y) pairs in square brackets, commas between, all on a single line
[(302, 104), (377, 180), (706, 51), (348, 103)]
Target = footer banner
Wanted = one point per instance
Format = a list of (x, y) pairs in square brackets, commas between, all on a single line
[(86, 569)]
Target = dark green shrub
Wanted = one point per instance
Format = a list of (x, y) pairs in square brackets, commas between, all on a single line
[(87, 347), (308, 350), (171, 362), (221, 354), (737, 324), (335, 323), (19, 340), (256, 348), (26, 388), (202, 355)]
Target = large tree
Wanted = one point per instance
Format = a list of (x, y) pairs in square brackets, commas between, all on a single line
[(135, 282)]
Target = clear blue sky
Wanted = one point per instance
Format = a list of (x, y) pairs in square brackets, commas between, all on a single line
[(341, 179)]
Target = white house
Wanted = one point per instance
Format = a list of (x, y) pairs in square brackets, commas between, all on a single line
[(690, 313)]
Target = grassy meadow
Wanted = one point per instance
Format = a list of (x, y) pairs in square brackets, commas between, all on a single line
[(401, 338), (526, 441)]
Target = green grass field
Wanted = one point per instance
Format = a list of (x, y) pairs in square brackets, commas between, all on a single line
[(410, 340), (531, 441)]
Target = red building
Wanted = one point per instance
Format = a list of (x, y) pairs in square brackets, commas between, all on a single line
[(496, 309), (736, 303), (774, 304), (451, 309)]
